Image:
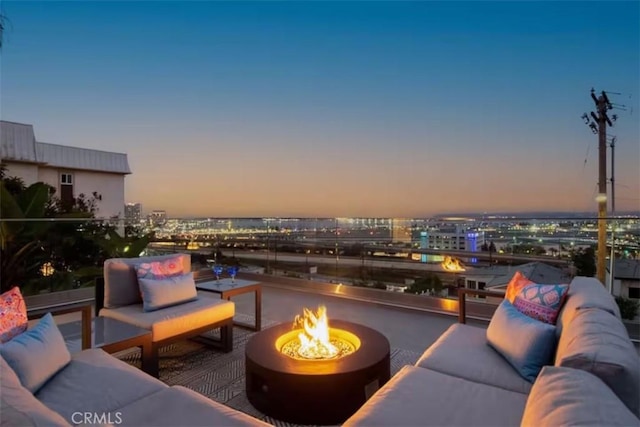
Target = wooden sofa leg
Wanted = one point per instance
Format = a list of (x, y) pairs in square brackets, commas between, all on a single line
[(150, 359), (226, 337)]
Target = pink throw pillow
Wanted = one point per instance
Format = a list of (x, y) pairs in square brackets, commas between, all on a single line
[(541, 302), (160, 269), (13, 314)]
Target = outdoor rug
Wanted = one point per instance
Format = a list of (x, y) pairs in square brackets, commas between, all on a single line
[(220, 376)]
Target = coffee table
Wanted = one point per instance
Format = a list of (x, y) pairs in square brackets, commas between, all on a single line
[(228, 288), (112, 336)]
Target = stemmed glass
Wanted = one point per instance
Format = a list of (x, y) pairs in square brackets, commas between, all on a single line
[(233, 270), (217, 270)]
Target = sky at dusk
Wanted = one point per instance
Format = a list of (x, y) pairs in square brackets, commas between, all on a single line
[(323, 109)]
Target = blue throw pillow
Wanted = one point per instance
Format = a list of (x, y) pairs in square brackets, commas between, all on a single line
[(37, 354), (157, 294), (526, 343)]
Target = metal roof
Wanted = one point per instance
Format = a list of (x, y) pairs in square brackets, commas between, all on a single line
[(537, 272), (63, 156), (19, 144), (628, 269)]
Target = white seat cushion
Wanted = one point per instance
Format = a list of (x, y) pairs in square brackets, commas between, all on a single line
[(463, 351), (422, 397), (564, 396), (175, 320), (96, 382), (598, 342), (179, 406)]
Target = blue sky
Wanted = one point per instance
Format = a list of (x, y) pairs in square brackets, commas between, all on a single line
[(333, 108)]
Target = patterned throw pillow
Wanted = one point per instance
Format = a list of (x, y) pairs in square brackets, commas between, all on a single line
[(159, 269), (541, 302), (13, 314), (517, 282)]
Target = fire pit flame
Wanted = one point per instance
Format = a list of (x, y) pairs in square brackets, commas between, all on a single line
[(313, 339)]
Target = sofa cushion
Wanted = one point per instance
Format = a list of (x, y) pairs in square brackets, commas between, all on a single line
[(541, 302), (597, 342), (18, 406), (162, 293), (96, 382), (526, 343), (121, 282), (450, 355), (179, 406), (13, 314), (172, 321), (25, 352), (418, 396), (564, 396), (517, 282), (585, 292)]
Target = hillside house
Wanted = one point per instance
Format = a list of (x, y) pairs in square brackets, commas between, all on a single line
[(70, 170)]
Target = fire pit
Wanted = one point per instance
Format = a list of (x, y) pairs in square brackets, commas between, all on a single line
[(315, 374)]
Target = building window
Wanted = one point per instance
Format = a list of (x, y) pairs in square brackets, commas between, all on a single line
[(471, 284), (66, 179), (481, 286), (66, 190), (634, 293)]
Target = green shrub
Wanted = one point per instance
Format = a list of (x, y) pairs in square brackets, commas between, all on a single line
[(628, 307)]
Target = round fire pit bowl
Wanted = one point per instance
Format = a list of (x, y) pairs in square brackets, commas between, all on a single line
[(314, 391)]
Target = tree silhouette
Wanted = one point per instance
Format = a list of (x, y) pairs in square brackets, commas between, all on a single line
[(585, 261)]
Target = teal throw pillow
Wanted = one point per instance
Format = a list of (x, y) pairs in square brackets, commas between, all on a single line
[(157, 294), (526, 343), (37, 354)]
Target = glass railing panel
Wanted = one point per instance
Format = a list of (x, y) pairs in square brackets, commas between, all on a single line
[(428, 257), (431, 257)]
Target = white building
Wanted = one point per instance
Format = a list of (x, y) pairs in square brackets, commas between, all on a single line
[(70, 170), (457, 238), (626, 278), (157, 218), (133, 213)]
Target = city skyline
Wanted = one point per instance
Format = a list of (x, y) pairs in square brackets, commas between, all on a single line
[(340, 109)]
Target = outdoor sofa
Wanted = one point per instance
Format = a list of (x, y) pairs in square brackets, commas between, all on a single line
[(119, 297), (95, 388), (460, 380)]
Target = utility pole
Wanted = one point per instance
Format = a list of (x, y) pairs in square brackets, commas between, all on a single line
[(612, 144), (268, 236), (599, 126), (337, 248)]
